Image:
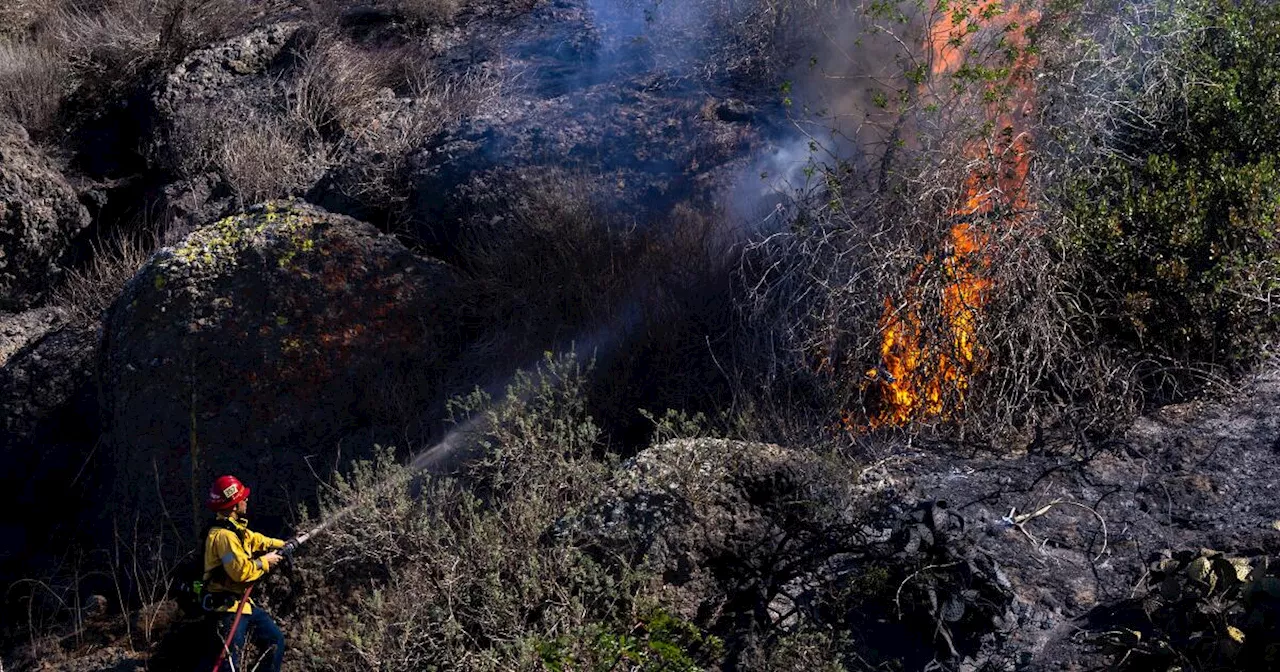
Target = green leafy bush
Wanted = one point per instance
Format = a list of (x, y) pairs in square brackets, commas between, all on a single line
[(660, 641), (1179, 225)]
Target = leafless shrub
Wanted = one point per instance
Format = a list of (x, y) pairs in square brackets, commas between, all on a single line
[(890, 267), (259, 154), (871, 259), (64, 620), (89, 291), (1110, 73), (264, 159)]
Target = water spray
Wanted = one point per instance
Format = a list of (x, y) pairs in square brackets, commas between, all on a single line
[(420, 463), (605, 338)]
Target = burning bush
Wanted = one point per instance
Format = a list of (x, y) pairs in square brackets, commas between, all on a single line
[(1020, 251)]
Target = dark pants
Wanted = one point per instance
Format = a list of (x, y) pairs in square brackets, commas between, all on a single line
[(261, 630)]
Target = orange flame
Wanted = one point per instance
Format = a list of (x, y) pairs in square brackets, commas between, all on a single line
[(918, 370)]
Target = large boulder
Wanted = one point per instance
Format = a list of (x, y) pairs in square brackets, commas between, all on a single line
[(267, 345), (39, 215)]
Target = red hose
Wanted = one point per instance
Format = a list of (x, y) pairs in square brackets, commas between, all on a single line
[(226, 645)]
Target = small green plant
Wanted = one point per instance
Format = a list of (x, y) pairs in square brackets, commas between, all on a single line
[(659, 642), (1203, 610)]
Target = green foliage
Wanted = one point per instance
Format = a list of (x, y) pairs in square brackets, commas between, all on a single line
[(461, 572), (1181, 225), (659, 642), (677, 425)]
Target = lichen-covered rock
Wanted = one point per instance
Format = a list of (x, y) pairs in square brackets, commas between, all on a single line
[(224, 69), (39, 215), (258, 344)]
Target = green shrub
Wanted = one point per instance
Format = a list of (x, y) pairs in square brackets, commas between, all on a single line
[(659, 642), (458, 572), (1180, 223)]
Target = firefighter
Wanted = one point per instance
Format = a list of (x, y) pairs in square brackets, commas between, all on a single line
[(234, 558)]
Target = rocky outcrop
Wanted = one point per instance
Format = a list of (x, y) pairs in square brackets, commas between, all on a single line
[(44, 376), (216, 72), (39, 215), (259, 344), (224, 90)]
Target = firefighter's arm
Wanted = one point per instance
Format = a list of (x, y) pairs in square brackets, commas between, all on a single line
[(240, 567), (260, 542)]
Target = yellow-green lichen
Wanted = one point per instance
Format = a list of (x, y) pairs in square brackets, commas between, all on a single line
[(218, 243)]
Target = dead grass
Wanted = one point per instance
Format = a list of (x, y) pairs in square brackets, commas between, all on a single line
[(259, 154), (428, 12), (335, 89), (33, 81), (379, 175), (94, 55), (89, 291)]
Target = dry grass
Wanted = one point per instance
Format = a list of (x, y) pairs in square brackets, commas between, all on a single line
[(379, 175), (259, 154), (428, 12), (96, 54), (89, 291), (33, 81), (335, 89), (263, 159)]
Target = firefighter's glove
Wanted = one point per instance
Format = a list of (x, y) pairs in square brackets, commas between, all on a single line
[(288, 548)]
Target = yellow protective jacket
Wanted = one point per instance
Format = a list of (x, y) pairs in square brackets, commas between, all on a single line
[(230, 564)]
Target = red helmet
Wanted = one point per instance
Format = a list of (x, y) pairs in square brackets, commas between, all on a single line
[(225, 493)]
